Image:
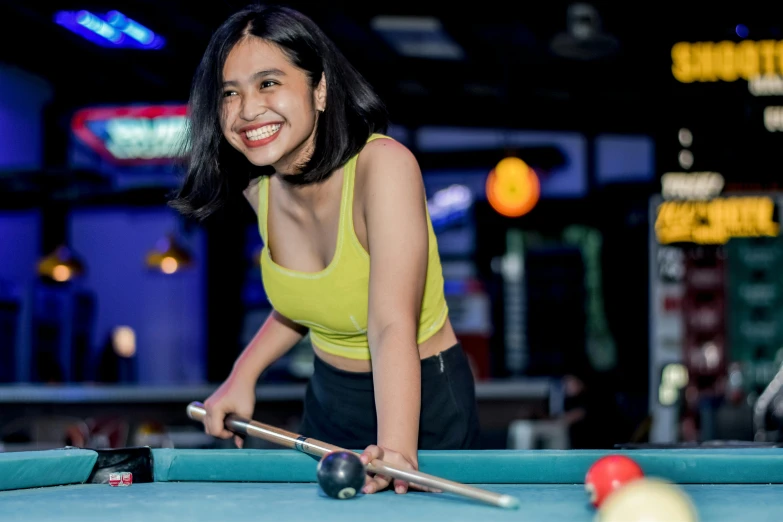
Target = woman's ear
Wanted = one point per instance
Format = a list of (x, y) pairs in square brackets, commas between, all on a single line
[(320, 94)]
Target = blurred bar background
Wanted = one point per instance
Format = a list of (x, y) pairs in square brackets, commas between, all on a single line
[(627, 290)]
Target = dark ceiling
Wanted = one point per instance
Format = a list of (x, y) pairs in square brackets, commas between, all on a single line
[(509, 76)]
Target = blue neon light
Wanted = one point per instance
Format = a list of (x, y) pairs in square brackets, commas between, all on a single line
[(135, 30), (113, 29), (70, 20), (98, 26)]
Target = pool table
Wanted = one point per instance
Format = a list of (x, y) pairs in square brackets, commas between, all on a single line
[(193, 485)]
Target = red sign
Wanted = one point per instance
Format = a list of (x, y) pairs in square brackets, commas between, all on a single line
[(133, 135)]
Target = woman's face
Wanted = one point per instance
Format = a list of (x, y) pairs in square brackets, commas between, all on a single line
[(269, 109)]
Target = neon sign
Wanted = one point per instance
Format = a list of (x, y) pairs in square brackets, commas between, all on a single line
[(715, 221), (773, 118), (113, 29), (766, 85), (449, 205), (726, 61), (691, 185), (134, 135)]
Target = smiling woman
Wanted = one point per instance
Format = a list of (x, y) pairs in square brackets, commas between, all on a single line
[(349, 253), (353, 113), (269, 114)]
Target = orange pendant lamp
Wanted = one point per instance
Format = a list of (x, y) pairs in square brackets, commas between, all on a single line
[(169, 256), (61, 265), (512, 187)]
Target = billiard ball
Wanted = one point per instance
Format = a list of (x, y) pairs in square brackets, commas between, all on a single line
[(648, 500), (341, 474), (608, 474)]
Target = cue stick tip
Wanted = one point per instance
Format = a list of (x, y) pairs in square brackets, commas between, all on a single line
[(508, 502)]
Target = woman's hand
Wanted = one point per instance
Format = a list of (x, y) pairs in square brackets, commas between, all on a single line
[(396, 460), (236, 396)]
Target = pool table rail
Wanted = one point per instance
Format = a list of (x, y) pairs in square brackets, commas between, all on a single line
[(44, 468)]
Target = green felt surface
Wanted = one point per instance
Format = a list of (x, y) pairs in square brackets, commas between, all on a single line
[(227, 485), (205, 501), (27, 469)]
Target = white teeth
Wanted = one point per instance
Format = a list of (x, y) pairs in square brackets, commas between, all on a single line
[(262, 132)]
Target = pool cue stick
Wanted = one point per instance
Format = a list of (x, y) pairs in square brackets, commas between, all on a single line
[(318, 449)]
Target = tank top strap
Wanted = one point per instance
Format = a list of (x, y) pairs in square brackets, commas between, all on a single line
[(349, 178), (346, 203)]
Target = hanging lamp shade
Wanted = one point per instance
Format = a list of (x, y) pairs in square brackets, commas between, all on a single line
[(61, 265), (168, 256), (512, 187)]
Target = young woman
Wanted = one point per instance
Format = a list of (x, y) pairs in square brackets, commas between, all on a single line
[(349, 251)]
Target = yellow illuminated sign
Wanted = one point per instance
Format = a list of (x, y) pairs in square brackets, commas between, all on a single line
[(726, 61), (715, 221)]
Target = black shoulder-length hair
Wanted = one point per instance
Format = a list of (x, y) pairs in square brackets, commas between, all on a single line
[(215, 171)]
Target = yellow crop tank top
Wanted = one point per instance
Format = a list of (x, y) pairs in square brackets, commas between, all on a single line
[(333, 303)]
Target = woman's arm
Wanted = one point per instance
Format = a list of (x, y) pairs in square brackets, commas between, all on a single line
[(237, 394), (276, 336), (273, 340), (395, 214)]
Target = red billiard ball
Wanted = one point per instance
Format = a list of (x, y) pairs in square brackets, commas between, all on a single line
[(609, 474)]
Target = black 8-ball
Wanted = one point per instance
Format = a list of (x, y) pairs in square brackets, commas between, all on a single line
[(341, 474)]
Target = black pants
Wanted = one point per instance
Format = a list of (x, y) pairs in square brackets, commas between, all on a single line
[(339, 406)]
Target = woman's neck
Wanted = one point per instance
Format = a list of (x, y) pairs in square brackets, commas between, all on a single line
[(310, 195)]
